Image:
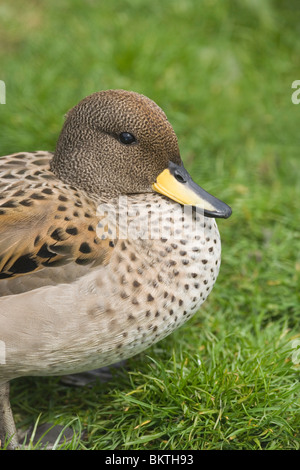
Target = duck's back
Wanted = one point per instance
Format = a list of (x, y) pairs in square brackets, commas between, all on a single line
[(43, 223)]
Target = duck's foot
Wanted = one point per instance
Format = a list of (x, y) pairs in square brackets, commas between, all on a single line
[(46, 436), (88, 378), (8, 431)]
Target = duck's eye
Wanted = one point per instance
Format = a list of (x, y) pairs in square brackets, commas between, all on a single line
[(126, 138)]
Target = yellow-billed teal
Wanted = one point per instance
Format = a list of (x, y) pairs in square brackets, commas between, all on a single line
[(75, 292)]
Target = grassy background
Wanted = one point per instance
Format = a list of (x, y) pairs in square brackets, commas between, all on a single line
[(222, 71)]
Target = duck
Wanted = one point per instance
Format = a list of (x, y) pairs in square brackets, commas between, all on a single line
[(107, 244)]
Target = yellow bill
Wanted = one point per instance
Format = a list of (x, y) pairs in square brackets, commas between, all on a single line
[(176, 183)]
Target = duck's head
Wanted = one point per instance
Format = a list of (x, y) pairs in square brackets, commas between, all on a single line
[(118, 142)]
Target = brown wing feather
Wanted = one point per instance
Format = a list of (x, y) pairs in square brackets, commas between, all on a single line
[(44, 222)]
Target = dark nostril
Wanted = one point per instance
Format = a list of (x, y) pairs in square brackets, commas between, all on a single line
[(179, 177)]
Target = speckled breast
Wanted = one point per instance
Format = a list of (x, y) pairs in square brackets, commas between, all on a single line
[(159, 275)]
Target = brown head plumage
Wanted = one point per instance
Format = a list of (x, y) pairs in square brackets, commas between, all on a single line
[(91, 153)]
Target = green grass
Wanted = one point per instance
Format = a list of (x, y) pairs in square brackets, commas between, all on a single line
[(222, 71)]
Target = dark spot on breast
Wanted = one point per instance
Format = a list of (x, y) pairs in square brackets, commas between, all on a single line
[(26, 202), (72, 230), (111, 244), (132, 257), (47, 176), (86, 214), (24, 264), (8, 204), (61, 208), (13, 162), (39, 162), (37, 196), (56, 235), (204, 261), (136, 284), (19, 193), (62, 198), (148, 313), (90, 228), (123, 246), (44, 252), (85, 248), (82, 261), (20, 155), (37, 239), (150, 298), (182, 253), (8, 176)]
